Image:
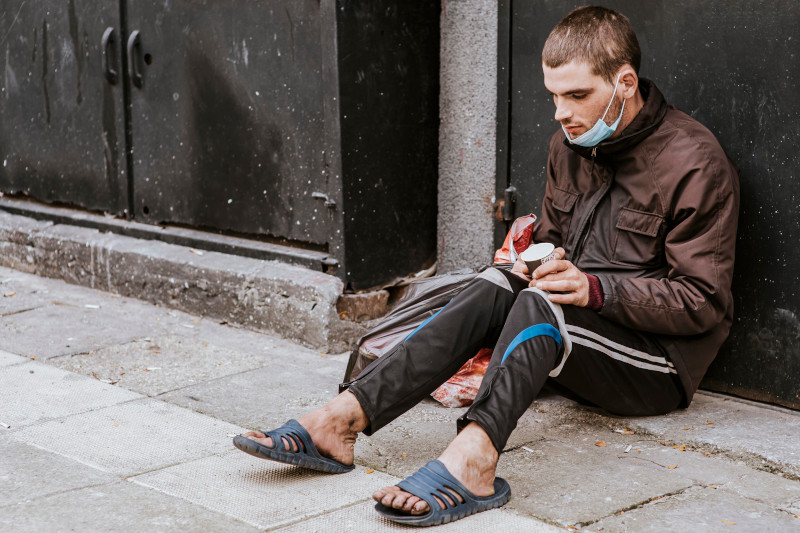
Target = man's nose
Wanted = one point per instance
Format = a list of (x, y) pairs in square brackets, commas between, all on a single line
[(562, 112)]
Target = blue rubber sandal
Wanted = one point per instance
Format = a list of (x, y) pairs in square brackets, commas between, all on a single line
[(434, 479), (306, 455)]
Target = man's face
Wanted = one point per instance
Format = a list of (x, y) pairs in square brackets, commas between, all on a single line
[(580, 97)]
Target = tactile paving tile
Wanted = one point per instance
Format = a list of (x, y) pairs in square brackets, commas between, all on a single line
[(363, 519), (264, 493), (134, 437), (7, 359), (33, 392), (28, 472), (114, 507)]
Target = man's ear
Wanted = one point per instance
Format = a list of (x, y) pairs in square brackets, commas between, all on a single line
[(629, 81)]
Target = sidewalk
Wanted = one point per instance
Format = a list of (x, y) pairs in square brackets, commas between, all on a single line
[(117, 415)]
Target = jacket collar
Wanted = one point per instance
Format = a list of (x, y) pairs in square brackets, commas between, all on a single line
[(644, 123)]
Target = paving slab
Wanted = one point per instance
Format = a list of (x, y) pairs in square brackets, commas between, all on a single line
[(27, 473), (701, 509), (132, 438), (576, 482), (160, 364), (8, 359), (119, 506), (34, 392), (65, 328), (736, 427), (767, 488), (263, 493), (20, 291), (362, 518), (289, 385)]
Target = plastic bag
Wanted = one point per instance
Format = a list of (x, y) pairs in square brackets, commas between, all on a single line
[(423, 299)]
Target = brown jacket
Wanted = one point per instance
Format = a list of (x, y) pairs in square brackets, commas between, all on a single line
[(653, 215)]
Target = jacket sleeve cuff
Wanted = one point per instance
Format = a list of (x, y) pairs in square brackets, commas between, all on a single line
[(596, 296)]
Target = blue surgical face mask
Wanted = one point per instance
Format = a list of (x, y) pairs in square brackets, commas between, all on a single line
[(600, 131)]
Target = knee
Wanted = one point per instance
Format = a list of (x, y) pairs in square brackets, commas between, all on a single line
[(496, 278)]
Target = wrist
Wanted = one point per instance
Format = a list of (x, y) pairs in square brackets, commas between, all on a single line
[(596, 296)]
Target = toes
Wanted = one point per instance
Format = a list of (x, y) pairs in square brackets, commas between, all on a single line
[(388, 499), (251, 434), (421, 507), (411, 502), (400, 500)]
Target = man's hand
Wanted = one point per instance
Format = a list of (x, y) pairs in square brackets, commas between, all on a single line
[(521, 269), (567, 284)]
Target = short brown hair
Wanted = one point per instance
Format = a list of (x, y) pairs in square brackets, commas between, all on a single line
[(600, 37)]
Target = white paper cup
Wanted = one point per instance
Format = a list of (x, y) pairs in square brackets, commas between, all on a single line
[(537, 254)]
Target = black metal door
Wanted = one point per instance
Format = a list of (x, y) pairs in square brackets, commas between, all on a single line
[(61, 112), (229, 129), (735, 66)]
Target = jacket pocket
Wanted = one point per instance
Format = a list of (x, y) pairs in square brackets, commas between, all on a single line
[(638, 241), (563, 202)]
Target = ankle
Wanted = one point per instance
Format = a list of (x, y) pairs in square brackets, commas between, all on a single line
[(474, 444), (343, 414)]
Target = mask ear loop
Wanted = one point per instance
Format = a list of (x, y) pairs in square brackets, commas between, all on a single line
[(616, 84)]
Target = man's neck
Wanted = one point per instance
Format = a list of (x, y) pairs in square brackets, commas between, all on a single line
[(632, 108)]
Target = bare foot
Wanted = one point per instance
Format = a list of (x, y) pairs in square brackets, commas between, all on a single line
[(471, 458), (333, 427)]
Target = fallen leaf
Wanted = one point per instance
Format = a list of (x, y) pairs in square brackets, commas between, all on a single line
[(33, 357), (663, 443), (672, 467), (726, 522), (10, 294), (371, 470), (624, 431), (711, 487), (116, 425), (681, 448), (600, 444), (403, 455), (686, 429), (709, 422)]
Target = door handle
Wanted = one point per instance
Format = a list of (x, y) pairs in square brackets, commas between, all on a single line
[(108, 45), (135, 63)]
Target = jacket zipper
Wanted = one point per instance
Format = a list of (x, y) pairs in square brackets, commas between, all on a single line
[(588, 226)]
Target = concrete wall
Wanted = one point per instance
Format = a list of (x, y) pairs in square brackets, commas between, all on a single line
[(467, 134)]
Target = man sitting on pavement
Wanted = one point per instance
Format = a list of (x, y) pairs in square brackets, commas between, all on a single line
[(641, 203)]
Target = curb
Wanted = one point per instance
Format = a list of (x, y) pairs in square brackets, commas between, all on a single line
[(289, 301)]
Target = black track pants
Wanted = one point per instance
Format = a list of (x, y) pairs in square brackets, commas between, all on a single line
[(602, 363)]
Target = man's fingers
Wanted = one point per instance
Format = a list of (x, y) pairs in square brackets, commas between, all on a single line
[(550, 267), (563, 285), (569, 298)]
